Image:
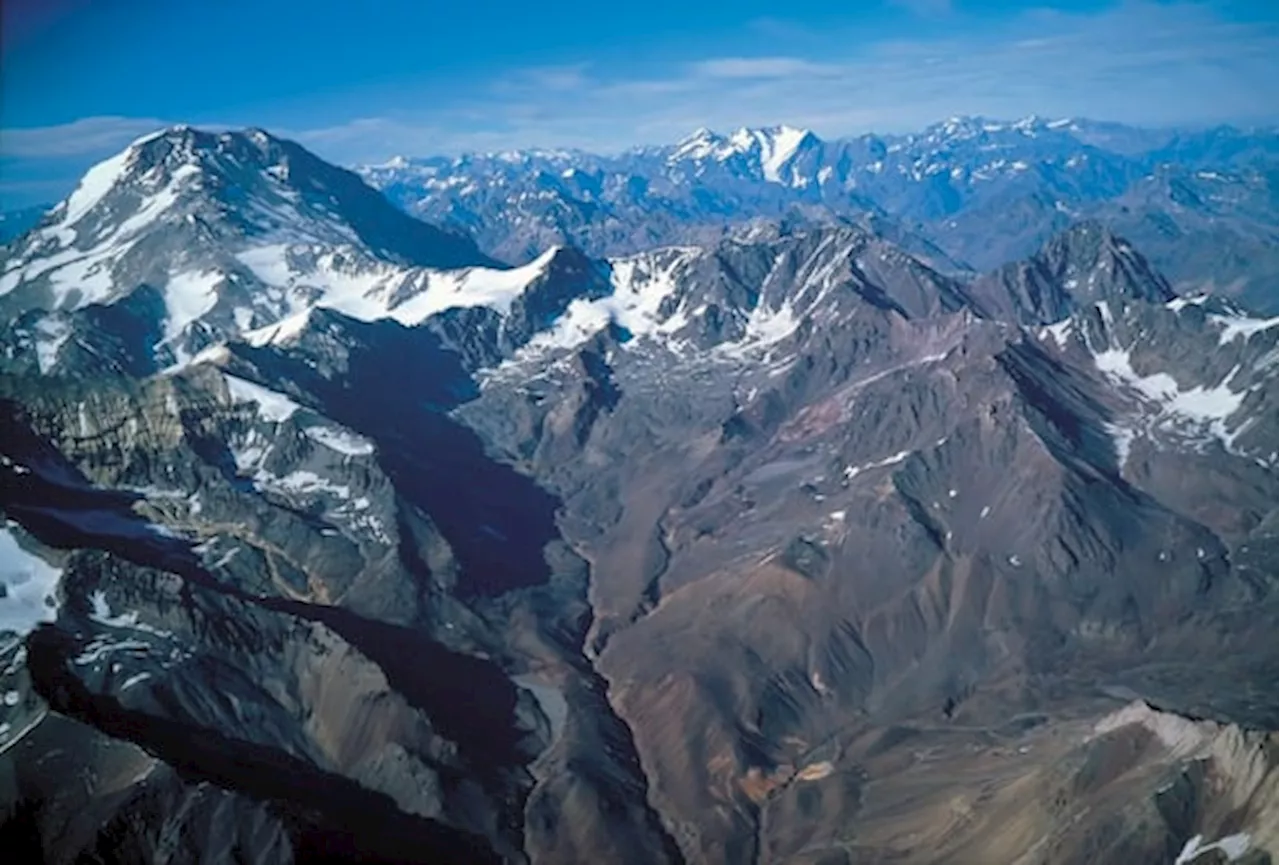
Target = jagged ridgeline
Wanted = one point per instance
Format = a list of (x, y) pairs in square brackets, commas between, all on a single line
[(966, 195), (330, 537)]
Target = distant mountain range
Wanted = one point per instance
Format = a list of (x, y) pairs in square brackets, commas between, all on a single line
[(328, 536), (969, 194)]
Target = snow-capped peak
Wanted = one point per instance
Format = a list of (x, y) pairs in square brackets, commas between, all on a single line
[(99, 180), (701, 144), (235, 183), (768, 149), (188, 213), (109, 174), (966, 126), (777, 147), (961, 126)]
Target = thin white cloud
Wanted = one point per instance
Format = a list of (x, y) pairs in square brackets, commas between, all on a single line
[(925, 8), (1143, 63), (556, 78), (87, 136), (764, 67)]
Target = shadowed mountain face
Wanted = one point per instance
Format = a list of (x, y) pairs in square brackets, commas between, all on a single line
[(969, 194), (781, 547)]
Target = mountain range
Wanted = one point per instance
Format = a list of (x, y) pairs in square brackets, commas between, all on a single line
[(333, 534), (968, 194)]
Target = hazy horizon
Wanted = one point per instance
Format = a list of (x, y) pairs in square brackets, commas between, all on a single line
[(496, 76)]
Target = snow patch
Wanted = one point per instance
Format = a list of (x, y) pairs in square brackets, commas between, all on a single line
[(778, 149), (187, 297), (852, 472), (134, 680), (97, 650), (1236, 326), (94, 186), (477, 286), (100, 612), (86, 276), (52, 334), (339, 440), (301, 483), (281, 333), (272, 406), (214, 354), (1208, 407), (1180, 303), (250, 453), (766, 326), (1122, 437), (156, 204), (366, 289), (640, 285), (1232, 846), (1059, 331), (29, 583), (1104, 309)]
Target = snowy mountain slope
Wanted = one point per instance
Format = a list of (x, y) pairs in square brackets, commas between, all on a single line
[(192, 239), (773, 155), (246, 184), (234, 231)]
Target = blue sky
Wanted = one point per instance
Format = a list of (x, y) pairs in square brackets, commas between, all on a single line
[(362, 81)]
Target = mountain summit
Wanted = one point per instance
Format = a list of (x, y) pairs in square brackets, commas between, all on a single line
[(1085, 264), (200, 217), (769, 154), (249, 183)]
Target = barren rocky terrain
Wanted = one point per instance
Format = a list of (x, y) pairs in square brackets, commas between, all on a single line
[(328, 537)]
